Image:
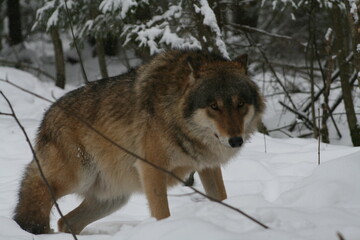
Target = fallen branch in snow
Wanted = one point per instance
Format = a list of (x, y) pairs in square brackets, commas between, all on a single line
[(13, 114), (89, 126)]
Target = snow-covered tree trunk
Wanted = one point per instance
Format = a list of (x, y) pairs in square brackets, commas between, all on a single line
[(210, 34)]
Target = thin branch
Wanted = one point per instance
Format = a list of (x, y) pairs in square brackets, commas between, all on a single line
[(6, 114), (261, 31), (319, 136), (252, 41), (25, 66), (340, 236), (286, 133), (302, 116), (13, 114), (89, 126), (75, 43), (279, 128), (25, 90)]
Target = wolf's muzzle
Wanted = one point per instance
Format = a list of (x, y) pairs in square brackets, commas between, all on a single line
[(236, 141)]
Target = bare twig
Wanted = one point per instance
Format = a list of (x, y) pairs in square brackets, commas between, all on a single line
[(340, 236), (252, 41), (6, 114), (75, 44), (89, 126), (286, 133), (302, 116), (25, 66), (279, 128), (25, 90), (319, 136), (334, 76), (13, 114), (261, 31)]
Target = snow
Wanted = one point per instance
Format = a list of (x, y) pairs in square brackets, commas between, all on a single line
[(328, 34), (283, 187), (354, 10), (113, 5), (210, 20)]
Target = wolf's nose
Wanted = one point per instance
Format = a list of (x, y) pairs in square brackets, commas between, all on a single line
[(236, 141)]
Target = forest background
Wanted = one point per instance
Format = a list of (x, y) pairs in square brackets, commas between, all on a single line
[(306, 48)]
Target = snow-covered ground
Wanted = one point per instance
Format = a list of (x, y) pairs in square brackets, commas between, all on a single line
[(277, 181)]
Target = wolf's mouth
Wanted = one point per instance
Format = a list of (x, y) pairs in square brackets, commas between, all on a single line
[(217, 136)]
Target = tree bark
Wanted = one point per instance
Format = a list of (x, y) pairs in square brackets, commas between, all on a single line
[(311, 58), (59, 58), (100, 48), (324, 131), (14, 23), (205, 35), (340, 38), (355, 36)]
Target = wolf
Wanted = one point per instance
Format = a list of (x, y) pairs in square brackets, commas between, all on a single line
[(183, 111)]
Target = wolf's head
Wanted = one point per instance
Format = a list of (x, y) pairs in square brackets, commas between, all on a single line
[(222, 99)]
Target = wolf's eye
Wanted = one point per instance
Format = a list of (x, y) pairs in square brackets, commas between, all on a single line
[(240, 104), (214, 106)]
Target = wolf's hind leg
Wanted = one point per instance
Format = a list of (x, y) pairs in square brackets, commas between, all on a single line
[(32, 212), (213, 183), (90, 210)]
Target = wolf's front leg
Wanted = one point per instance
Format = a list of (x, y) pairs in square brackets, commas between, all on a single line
[(154, 181), (154, 186), (213, 183)]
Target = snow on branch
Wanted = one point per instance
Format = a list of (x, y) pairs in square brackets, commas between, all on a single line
[(210, 20), (113, 5), (354, 10), (159, 31), (52, 14)]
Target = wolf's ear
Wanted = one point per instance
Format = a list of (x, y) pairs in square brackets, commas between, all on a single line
[(243, 60), (194, 63)]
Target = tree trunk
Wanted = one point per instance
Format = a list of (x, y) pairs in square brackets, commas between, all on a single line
[(204, 32), (99, 42), (355, 35), (101, 57), (215, 5), (340, 38), (324, 131), (14, 23), (59, 58), (310, 51)]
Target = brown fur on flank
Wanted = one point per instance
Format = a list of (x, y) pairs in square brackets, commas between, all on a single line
[(183, 111)]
